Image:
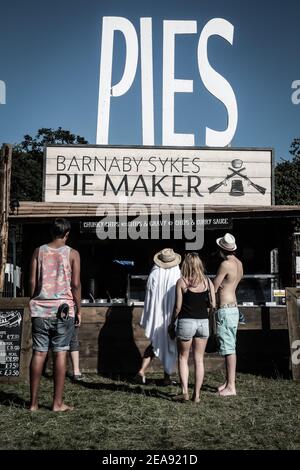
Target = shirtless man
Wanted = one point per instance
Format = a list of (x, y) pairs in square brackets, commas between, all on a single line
[(226, 281)]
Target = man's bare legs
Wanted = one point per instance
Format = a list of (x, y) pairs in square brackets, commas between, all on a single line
[(147, 358), (183, 367), (59, 373), (229, 389), (199, 346), (75, 362), (224, 385), (145, 365), (36, 369)]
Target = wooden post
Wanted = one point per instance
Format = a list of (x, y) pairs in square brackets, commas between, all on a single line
[(293, 314), (5, 178)]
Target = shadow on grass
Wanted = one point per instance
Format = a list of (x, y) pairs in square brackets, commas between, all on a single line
[(127, 388), (12, 399), (117, 349), (209, 388), (146, 390)]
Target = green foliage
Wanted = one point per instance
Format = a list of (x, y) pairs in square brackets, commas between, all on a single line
[(27, 162), (287, 178)]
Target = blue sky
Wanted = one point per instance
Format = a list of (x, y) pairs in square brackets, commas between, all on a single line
[(50, 55)]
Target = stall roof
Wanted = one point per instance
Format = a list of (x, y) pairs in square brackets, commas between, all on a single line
[(30, 211)]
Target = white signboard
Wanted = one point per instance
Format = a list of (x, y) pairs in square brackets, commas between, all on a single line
[(96, 174)]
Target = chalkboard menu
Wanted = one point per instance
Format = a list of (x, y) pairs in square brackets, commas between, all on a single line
[(11, 321)]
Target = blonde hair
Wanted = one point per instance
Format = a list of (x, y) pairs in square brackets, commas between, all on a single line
[(192, 269)]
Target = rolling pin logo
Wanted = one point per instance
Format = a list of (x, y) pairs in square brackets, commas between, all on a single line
[(237, 187), (10, 320)]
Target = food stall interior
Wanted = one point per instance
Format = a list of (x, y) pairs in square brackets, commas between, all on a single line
[(115, 271)]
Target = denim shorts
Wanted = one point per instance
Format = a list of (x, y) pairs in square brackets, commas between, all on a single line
[(227, 325), (188, 328), (74, 343), (51, 333)]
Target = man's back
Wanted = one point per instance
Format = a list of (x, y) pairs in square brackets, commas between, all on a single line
[(54, 274), (228, 277)]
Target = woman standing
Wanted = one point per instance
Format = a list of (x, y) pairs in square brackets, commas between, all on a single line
[(193, 293)]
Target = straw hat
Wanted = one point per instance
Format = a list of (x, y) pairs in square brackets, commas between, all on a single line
[(227, 242), (167, 258)]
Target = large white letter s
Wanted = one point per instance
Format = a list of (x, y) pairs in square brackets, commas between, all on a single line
[(217, 84)]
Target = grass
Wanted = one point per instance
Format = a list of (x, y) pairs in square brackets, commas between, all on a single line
[(115, 415)]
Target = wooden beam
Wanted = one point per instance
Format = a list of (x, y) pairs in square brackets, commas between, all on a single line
[(5, 179)]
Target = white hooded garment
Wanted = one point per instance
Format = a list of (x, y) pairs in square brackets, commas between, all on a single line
[(158, 309)]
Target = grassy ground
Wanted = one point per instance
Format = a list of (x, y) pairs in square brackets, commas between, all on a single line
[(116, 415)]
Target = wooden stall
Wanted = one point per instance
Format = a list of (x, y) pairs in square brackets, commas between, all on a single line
[(222, 190), (293, 317), (112, 342)]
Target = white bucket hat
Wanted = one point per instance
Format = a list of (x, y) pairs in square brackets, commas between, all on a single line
[(227, 242), (167, 258)]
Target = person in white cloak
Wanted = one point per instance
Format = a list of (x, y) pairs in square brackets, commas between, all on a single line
[(158, 309)]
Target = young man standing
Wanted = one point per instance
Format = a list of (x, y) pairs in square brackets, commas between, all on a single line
[(226, 281), (54, 285)]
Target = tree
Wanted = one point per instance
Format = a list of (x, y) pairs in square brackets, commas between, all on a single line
[(287, 178), (27, 162)]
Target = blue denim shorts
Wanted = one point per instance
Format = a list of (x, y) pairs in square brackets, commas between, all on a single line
[(74, 343), (51, 333), (188, 328), (227, 325)]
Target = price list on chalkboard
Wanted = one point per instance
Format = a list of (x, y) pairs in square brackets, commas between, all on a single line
[(10, 341)]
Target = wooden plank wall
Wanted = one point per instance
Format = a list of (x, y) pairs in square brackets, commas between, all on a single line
[(112, 341)]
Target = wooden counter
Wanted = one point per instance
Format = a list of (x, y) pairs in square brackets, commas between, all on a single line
[(112, 341)]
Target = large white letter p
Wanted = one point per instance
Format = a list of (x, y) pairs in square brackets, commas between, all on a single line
[(106, 90)]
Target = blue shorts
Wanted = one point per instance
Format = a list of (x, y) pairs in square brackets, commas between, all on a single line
[(51, 333), (74, 343), (188, 328), (227, 324)]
